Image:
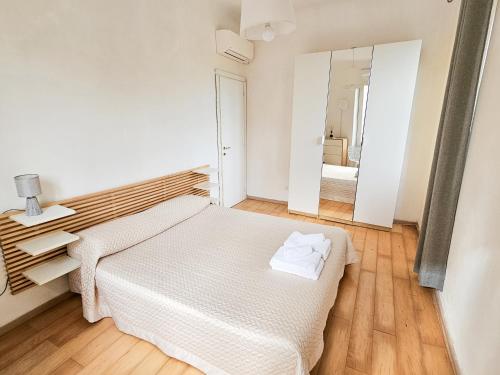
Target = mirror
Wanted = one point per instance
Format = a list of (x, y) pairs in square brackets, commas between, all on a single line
[(360, 100), (347, 102)]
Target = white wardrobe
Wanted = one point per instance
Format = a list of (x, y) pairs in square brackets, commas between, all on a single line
[(326, 104)]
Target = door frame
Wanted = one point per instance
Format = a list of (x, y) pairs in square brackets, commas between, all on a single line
[(218, 74)]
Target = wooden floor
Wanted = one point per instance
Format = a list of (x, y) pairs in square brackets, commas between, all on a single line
[(334, 209), (382, 323)]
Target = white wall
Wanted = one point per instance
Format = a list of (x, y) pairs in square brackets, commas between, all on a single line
[(339, 25), (471, 297), (96, 94), (343, 76)]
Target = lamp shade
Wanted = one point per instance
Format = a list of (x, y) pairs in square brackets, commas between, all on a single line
[(28, 185), (263, 19)]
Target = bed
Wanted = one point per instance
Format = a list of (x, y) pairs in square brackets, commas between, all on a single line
[(194, 279), (338, 183)]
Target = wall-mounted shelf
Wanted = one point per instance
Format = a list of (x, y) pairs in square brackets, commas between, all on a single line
[(206, 186), (52, 269), (49, 213), (11, 233), (47, 242), (206, 171)]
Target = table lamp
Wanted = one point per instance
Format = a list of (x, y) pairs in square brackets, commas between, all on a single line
[(28, 186)]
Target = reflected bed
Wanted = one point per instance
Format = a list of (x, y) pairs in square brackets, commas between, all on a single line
[(338, 183)]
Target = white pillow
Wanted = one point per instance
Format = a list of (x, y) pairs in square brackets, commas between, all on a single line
[(119, 234)]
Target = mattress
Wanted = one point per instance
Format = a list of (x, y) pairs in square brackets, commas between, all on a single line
[(203, 292), (338, 183)]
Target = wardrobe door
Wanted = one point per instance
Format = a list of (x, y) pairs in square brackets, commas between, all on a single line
[(390, 97), (310, 96)]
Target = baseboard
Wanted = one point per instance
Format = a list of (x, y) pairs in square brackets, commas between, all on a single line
[(303, 214), (23, 318), (406, 222), (341, 221), (266, 200), (353, 223), (449, 347)]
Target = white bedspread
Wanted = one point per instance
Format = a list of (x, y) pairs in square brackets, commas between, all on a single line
[(339, 172), (203, 292), (338, 183)]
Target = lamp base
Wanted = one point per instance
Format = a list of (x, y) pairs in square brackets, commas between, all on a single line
[(32, 207)]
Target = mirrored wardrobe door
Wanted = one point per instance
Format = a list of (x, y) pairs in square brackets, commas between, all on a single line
[(347, 102)]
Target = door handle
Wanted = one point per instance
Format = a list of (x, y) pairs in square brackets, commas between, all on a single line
[(226, 148)]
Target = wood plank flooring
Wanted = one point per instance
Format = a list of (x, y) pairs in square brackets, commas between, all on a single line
[(382, 322), (334, 209)]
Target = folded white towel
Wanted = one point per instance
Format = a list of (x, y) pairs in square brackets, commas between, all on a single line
[(323, 248), (297, 252), (309, 262), (316, 241), (278, 263), (299, 239), (304, 266)]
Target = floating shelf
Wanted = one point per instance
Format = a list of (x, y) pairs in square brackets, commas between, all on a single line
[(52, 269), (206, 186), (47, 242), (49, 213), (206, 171)]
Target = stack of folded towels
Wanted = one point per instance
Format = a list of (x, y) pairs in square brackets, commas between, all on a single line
[(302, 255)]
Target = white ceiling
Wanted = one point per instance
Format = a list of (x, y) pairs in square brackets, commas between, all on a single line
[(235, 5)]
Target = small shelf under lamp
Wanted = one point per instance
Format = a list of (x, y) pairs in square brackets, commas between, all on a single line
[(28, 186)]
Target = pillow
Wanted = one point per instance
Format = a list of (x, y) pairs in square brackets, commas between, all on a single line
[(119, 234)]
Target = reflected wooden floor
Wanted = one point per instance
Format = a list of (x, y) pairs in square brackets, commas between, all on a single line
[(334, 209), (382, 322)]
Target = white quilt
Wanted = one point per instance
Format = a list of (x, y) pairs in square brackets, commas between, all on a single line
[(203, 292)]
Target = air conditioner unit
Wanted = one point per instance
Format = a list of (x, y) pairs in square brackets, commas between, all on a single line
[(234, 47)]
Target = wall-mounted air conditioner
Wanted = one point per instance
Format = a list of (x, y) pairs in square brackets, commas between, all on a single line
[(234, 47)]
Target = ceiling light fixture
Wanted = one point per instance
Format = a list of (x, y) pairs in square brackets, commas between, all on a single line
[(268, 33), (266, 19)]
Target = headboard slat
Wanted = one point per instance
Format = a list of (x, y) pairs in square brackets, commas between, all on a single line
[(91, 209), (112, 209)]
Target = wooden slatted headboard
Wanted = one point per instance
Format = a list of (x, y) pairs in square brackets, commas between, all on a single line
[(90, 209)]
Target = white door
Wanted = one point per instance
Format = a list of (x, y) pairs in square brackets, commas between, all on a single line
[(231, 123), (390, 98), (310, 97)]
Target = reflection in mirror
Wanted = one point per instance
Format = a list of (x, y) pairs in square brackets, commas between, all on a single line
[(347, 102)]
